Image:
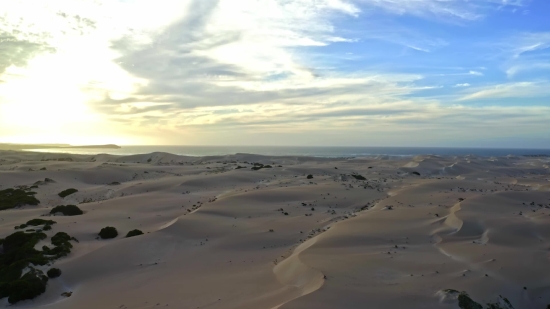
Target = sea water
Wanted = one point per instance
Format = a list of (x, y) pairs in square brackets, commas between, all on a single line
[(327, 152)]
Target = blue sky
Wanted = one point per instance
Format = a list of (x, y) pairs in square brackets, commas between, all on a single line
[(277, 72)]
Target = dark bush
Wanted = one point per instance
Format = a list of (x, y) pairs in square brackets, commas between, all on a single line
[(32, 284), (465, 302), (47, 227), (309, 176), (416, 173), (61, 238), (108, 232), (67, 192), (11, 198), (358, 177), (54, 272), (62, 244), (36, 222), (69, 210), (134, 233), (19, 253)]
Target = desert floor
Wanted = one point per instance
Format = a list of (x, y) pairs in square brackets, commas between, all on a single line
[(221, 237)]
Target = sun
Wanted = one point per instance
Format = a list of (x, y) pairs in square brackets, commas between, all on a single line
[(47, 102)]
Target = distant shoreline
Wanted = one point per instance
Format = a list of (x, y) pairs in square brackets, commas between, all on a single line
[(314, 152), (55, 146)]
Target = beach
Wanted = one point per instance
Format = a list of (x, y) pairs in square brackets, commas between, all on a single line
[(289, 232)]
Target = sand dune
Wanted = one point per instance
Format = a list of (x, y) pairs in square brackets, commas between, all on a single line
[(220, 237)]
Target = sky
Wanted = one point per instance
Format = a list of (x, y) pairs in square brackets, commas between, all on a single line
[(448, 73)]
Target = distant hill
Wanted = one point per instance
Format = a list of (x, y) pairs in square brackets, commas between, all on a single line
[(54, 146)]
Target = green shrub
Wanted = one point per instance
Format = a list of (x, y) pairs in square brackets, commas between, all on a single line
[(19, 253), (32, 284), (60, 239), (108, 232), (54, 272), (36, 222), (309, 176), (465, 302), (62, 244), (47, 227), (69, 210), (11, 198), (133, 233), (67, 192), (358, 177)]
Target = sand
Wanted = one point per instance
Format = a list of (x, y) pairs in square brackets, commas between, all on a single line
[(216, 237)]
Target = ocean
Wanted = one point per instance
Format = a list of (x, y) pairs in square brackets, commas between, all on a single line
[(327, 152)]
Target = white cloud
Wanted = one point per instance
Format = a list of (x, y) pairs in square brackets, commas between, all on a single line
[(528, 41), (509, 90), (512, 71), (462, 85), (476, 73), (449, 9)]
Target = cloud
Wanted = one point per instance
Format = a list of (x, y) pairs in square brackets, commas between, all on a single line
[(450, 10), (462, 85), (526, 42), (18, 52), (476, 73), (514, 70), (509, 90)]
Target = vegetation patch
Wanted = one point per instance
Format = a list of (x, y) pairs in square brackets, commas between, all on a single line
[(108, 232), (19, 254), (62, 244), (11, 198), (36, 222), (465, 302), (358, 177), (259, 166), (133, 233), (68, 210), (67, 192), (309, 176), (54, 272)]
